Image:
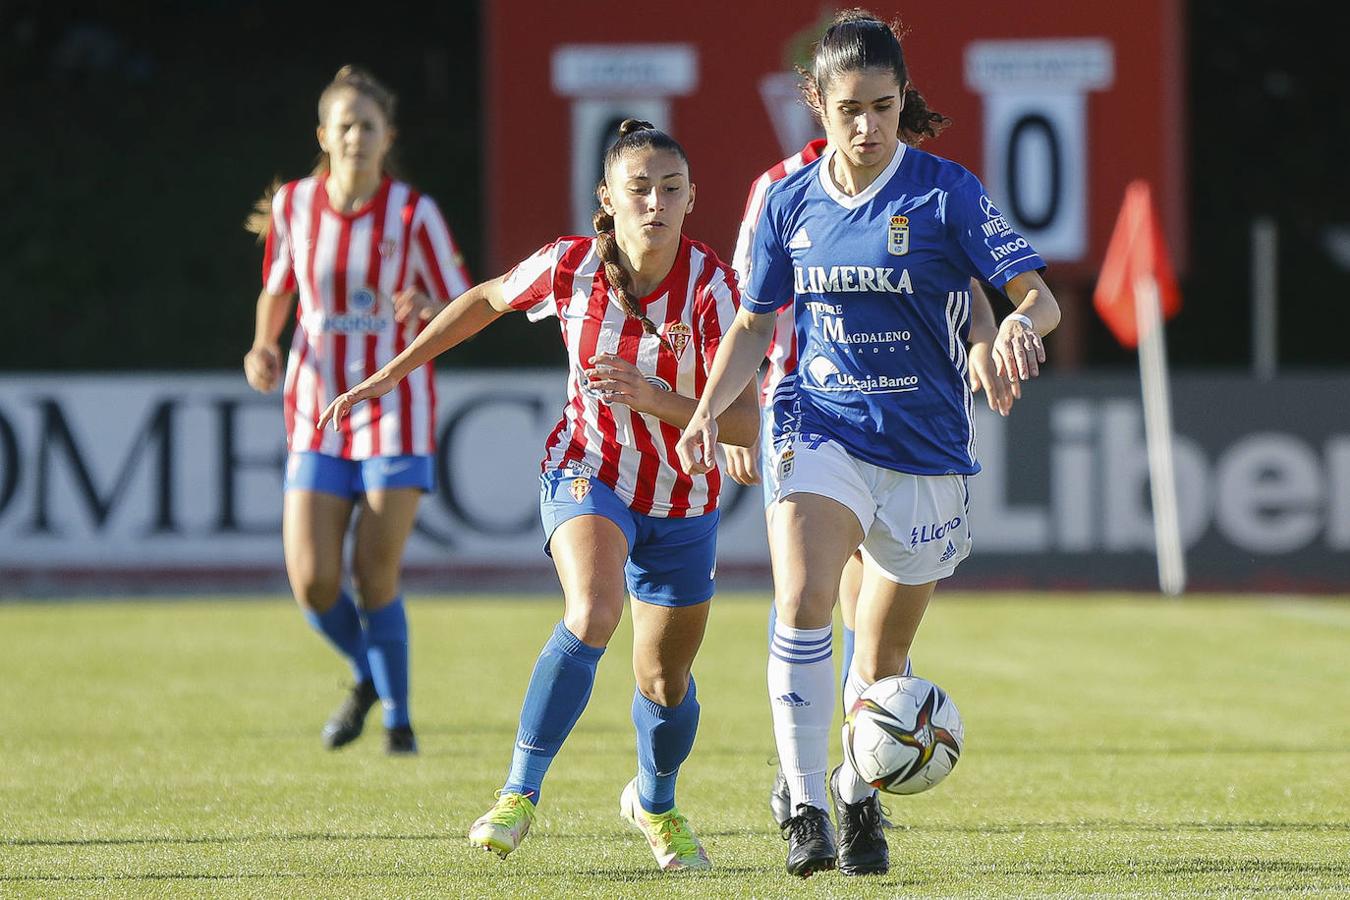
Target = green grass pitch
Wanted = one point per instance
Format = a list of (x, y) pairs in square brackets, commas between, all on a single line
[(1116, 747)]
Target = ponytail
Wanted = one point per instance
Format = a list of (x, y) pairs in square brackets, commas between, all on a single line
[(856, 41)]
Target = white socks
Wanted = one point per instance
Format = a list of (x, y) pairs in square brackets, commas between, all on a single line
[(802, 697)]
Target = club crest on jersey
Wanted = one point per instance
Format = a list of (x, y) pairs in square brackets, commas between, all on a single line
[(677, 333), (387, 247), (580, 487), (897, 236)]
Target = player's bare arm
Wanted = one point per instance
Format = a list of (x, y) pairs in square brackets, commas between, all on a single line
[(737, 361), (982, 370), (1018, 349), (262, 363), (625, 383), (467, 315)]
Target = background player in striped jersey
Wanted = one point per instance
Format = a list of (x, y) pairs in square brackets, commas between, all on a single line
[(749, 465), (372, 260), (642, 309), (877, 241)]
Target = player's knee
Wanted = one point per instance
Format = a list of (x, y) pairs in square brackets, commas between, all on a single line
[(664, 688), (315, 591), (375, 585), (805, 608), (593, 623)]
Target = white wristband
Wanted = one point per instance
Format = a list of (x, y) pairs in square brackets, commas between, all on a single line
[(1023, 318)]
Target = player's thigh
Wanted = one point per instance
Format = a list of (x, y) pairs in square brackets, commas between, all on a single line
[(885, 623), (313, 525), (589, 552), (665, 641), (850, 583), (811, 537), (384, 520)]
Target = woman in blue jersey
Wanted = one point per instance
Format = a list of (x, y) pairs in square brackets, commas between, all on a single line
[(877, 241)]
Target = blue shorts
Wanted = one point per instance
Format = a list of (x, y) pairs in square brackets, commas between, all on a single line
[(347, 478), (671, 562)]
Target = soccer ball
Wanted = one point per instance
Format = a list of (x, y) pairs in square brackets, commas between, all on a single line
[(903, 735)]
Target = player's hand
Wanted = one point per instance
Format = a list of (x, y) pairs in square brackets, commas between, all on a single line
[(373, 387), (998, 391), (262, 367), (697, 446), (412, 302), (619, 381), (1018, 351), (742, 463)]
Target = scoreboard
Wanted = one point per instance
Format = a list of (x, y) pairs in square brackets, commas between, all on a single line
[(1056, 106)]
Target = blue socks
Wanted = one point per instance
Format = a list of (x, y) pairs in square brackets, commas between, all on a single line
[(665, 735), (387, 643), (341, 625), (559, 689)]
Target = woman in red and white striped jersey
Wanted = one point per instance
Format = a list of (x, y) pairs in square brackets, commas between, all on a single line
[(372, 261), (642, 310)]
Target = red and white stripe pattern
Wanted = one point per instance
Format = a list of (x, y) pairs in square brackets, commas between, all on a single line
[(631, 452), (782, 353), (347, 268)]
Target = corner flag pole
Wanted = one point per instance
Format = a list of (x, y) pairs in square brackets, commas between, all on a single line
[(1158, 435)]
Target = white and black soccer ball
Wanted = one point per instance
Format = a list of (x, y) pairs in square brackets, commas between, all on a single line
[(903, 735)]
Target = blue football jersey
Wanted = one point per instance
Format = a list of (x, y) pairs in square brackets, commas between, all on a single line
[(881, 283)]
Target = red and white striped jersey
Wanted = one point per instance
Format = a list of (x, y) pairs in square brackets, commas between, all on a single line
[(782, 352), (631, 452), (347, 268)]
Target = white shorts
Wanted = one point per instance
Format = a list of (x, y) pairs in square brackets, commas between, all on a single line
[(916, 528)]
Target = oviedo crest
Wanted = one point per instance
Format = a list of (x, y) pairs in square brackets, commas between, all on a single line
[(897, 236), (580, 487), (678, 334)]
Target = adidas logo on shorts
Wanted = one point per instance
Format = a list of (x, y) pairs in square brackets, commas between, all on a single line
[(948, 553)]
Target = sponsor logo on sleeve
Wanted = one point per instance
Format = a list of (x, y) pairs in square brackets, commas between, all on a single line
[(996, 224)]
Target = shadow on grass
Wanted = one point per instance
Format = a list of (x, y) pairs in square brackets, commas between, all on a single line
[(570, 836), (1179, 867)]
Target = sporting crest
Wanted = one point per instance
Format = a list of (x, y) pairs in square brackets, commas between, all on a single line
[(897, 236), (387, 247), (677, 333), (580, 488)]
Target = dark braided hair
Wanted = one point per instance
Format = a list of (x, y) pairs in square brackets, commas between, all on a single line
[(858, 40), (634, 134)]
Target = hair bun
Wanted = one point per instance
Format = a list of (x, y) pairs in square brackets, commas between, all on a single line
[(631, 125)]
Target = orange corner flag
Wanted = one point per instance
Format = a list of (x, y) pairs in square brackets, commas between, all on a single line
[(1136, 252)]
